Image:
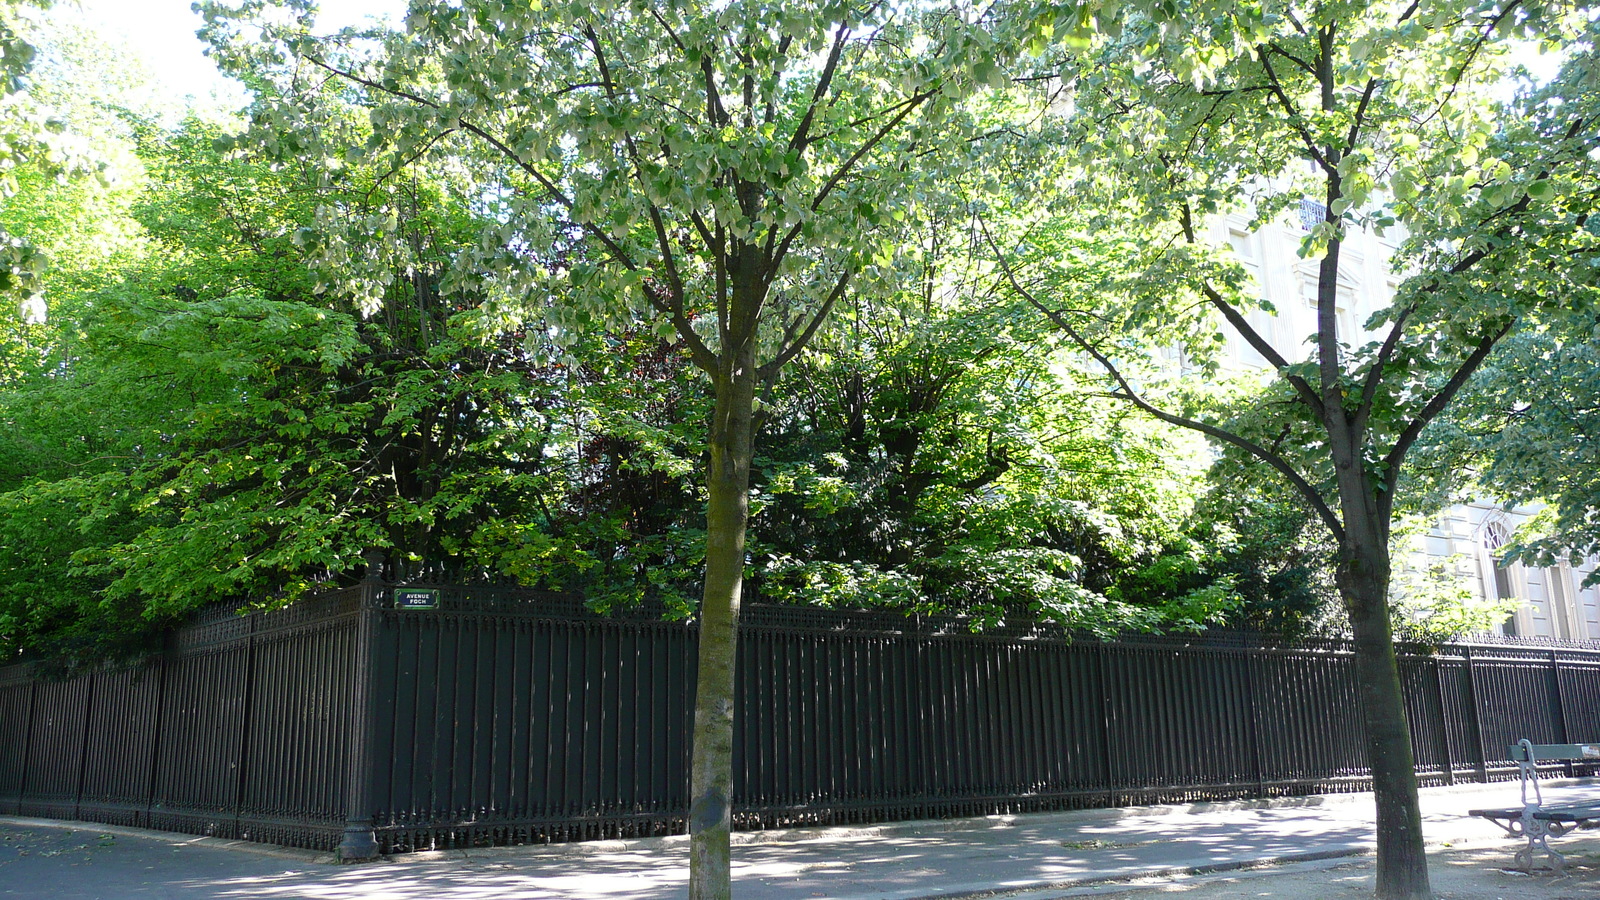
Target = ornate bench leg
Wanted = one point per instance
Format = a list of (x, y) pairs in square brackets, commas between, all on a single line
[(1538, 832), (1522, 828), (1558, 862)]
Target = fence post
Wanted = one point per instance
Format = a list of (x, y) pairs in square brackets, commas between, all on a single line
[(359, 841), (1474, 718)]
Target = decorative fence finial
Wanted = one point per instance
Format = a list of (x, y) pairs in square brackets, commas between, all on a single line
[(374, 559)]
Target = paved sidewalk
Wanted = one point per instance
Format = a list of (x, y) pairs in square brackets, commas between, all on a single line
[(1031, 856)]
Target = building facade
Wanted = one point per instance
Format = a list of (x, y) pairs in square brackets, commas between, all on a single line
[(1466, 540)]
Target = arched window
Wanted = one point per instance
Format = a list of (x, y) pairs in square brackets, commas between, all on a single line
[(1496, 536)]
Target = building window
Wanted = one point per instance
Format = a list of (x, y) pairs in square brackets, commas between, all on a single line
[(1312, 214), (1495, 536), (1588, 607), (1243, 247)]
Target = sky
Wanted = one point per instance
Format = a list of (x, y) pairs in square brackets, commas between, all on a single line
[(162, 33)]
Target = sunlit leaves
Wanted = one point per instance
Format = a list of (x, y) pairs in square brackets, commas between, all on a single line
[(635, 151)]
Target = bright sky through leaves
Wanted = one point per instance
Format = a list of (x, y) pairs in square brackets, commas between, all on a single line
[(161, 32)]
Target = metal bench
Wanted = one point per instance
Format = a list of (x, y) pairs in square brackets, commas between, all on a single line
[(1535, 822)]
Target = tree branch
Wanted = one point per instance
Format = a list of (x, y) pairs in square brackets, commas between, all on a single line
[(702, 354), (676, 303), (771, 112), (1309, 69), (1241, 325), (1295, 118), (866, 147), (1487, 30), (1369, 390), (672, 35), (500, 145), (795, 346), (798, 140), (844, 168), (1431, 410), (1361, 111), (1127, 393)]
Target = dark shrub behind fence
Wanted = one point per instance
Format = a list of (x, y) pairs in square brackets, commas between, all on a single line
[(512, 716)]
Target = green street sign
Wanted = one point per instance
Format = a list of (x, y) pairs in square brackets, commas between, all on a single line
[(416, 598)]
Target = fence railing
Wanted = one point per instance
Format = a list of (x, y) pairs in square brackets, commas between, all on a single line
[(507, 716)]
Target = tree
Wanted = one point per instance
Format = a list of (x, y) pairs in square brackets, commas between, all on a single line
[(1379, 116), (722, 169), (204, 425), (1260, 543)]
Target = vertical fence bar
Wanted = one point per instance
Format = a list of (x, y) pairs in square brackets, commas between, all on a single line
[(246, 711), (1249, 658), (359, 841), (1106, 773), (1563, 734), (1559, 708), (27, 742), (1448, 760), (1475, 717), (83, 746), (155, 745)]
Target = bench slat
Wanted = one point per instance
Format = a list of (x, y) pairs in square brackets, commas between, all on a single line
[(1507, 813), (1568, 814)]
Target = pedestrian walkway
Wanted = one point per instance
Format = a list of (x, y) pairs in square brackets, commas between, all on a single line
[(1024, 856)]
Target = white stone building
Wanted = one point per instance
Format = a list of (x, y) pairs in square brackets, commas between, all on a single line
[(1553, 601), (1466, 539)]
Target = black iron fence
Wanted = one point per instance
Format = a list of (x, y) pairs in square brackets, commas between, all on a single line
[(505, 716)]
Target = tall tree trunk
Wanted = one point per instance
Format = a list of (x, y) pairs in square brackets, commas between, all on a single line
[(727, 513), (1363, 578)]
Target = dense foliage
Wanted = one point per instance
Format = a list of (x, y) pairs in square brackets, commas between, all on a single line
[(200, 423), (1525, 432), (261, 363)]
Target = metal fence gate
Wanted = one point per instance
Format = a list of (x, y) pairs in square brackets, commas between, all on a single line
[(508, 716)]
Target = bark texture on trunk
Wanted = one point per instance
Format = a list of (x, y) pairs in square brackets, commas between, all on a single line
[(1363, 578), (727, 513)]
